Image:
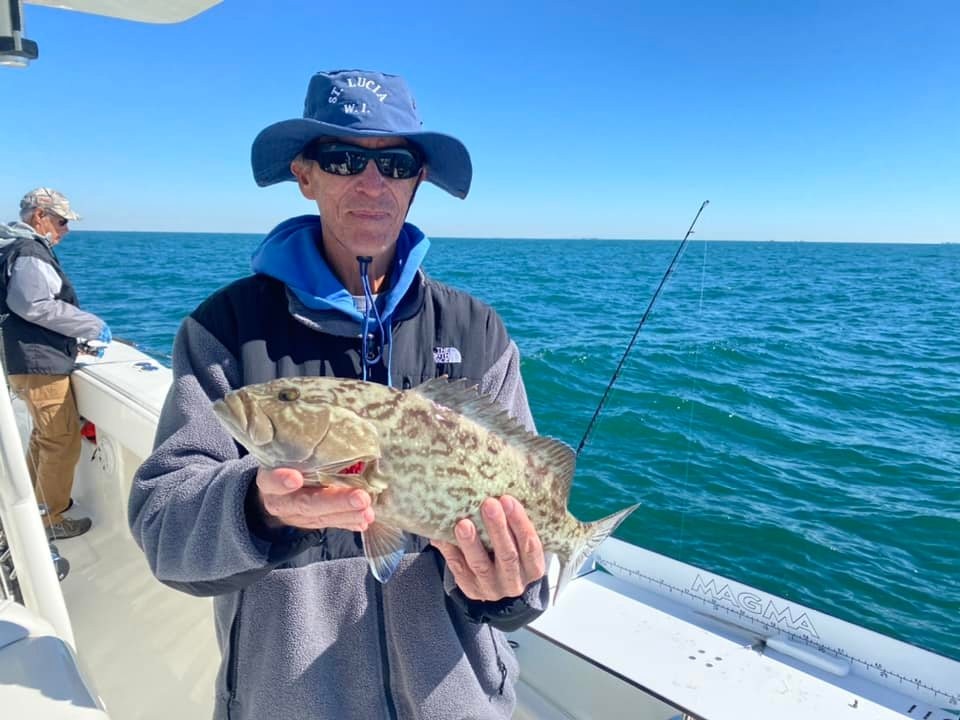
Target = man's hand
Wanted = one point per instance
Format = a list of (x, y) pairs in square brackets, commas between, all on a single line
[(286, 501), (515, 562), (91, 347)]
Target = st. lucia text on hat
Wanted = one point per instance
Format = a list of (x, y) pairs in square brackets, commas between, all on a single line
[(361, 83)]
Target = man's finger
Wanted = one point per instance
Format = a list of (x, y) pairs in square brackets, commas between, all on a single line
[(451, 553), (326, 500), (279, 481), (458, 566), (529, 547), (505, 555), (321, 502), (357, 522), (312, 507), (446, 549), (474, 553)]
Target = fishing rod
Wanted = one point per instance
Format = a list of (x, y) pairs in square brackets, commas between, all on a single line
[(656, 294)]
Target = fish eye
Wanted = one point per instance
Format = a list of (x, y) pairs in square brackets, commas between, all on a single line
[(288, 394)]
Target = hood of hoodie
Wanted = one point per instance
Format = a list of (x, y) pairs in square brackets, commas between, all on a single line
[(291, 254), (18, 230)]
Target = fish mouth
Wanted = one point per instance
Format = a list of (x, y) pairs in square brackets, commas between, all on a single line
[(345, 468), (226, 416), (240, 416), (339, 473)]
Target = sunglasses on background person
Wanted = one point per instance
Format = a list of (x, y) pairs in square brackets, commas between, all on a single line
[(396, 163), (62, 222)]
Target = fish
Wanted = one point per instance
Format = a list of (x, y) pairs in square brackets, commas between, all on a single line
[(428, 456)]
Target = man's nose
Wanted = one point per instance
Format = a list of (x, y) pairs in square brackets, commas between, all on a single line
[(370, 180)]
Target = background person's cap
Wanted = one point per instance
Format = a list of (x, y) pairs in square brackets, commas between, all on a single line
[(355, 104), (49, 199)]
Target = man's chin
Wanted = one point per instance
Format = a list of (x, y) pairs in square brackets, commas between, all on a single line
[(374, 238)]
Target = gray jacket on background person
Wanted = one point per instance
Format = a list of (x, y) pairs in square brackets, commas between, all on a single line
[(42, 326), (40, 317)]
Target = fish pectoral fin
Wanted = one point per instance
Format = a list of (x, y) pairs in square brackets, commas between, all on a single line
[(383, 545), (377, 475)]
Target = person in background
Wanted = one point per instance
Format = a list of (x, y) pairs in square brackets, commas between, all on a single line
[(40, 325), (305, 630)]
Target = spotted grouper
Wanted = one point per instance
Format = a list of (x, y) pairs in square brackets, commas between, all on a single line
[(427, 456)]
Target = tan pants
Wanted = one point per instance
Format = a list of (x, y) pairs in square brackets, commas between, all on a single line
[(55, 440)]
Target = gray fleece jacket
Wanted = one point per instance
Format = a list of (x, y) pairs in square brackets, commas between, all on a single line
[(304, 629), (40, 317)]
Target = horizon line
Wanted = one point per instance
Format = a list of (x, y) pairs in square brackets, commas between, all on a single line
[(548, 238)]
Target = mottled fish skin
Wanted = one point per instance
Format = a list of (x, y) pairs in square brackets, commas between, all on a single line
[(430, 456)]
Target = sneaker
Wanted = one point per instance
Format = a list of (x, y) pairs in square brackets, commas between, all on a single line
[(60, 564), (68, 528)]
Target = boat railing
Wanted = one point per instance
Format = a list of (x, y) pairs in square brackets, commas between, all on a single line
[(27, 541)]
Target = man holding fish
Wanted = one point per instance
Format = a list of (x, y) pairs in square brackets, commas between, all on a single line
[(306, 629)]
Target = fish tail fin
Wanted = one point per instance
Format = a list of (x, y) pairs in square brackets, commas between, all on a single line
[(592, 534)]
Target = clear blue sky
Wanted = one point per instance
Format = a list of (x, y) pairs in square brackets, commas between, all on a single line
[(799, 120)]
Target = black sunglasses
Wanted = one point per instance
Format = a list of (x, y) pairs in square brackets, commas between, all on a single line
[(398, 163)]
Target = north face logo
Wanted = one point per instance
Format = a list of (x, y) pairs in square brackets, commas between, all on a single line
[(446, 355)]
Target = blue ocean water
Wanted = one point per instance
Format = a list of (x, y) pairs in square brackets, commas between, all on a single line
[(789, 416)]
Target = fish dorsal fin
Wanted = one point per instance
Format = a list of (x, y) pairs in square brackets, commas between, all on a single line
[(465, 399), (557, 455), (460, 396)]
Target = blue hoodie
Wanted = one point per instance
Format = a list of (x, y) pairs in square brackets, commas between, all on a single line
[(291, 254)]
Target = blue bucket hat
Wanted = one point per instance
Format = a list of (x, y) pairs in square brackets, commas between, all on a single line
[(355, 104)]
